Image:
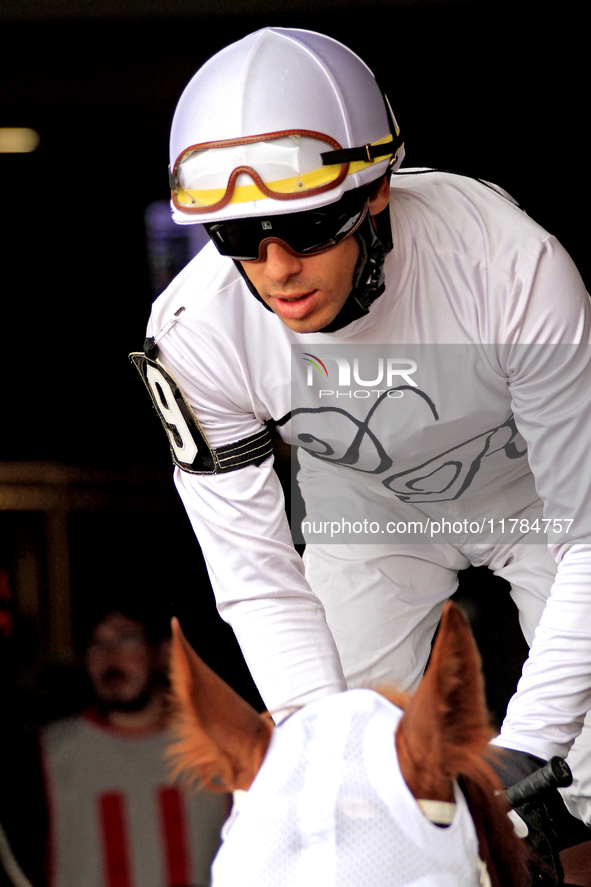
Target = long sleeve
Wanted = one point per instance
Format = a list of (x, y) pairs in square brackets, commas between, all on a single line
[(260, 588), (239, 517), (554, 694), (549, 370)]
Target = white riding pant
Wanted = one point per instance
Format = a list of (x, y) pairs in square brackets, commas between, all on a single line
[(384, 602)]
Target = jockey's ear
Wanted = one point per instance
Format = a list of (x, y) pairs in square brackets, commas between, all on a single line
[(445, 725), (221, 740)]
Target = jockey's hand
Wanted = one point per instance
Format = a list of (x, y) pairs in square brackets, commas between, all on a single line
[(544, 816)]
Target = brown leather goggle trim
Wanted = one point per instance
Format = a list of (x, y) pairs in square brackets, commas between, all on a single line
[(248, 170)]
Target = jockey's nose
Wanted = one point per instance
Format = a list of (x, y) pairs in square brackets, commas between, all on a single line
[(280, 264)]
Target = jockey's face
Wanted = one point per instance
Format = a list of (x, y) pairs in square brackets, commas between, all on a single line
[(307, 293), (120, 663)]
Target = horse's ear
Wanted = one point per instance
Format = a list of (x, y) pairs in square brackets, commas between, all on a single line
[(221, 740), (442, 735), (445, 726)]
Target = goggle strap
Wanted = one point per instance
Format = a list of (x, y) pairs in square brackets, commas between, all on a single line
[(365, 153)]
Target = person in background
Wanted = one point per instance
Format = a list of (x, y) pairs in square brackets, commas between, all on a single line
[(116, 820)]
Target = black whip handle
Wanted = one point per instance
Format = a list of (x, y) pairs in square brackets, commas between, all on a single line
[(555, 774)]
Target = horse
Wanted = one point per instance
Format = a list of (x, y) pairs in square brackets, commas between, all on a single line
[(358, 788)]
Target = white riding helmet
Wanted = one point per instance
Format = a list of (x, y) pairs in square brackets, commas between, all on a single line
[(251, 128)]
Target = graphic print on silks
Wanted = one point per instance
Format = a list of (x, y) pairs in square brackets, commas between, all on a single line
[(416, 444)]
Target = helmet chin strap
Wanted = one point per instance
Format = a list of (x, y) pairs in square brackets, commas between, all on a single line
[(368, 276)]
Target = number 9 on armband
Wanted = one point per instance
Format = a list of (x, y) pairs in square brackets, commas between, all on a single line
[(189, 446)]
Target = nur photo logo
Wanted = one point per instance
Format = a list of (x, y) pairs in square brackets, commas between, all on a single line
[(389, 371)]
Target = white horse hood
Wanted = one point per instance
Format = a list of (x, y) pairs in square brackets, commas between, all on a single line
[(330, 808)]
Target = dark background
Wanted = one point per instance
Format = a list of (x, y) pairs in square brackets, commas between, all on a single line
[(494, 90), (497, 90)]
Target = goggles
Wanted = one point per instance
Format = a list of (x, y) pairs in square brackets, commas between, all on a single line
[(303, 233), (283, 165)]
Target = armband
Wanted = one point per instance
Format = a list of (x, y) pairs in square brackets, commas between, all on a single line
[(189, 446)]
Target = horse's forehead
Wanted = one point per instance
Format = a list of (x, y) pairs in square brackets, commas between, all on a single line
[(328, 738), (329, 806)]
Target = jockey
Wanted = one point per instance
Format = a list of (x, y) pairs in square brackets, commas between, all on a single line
[(330, 265)]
